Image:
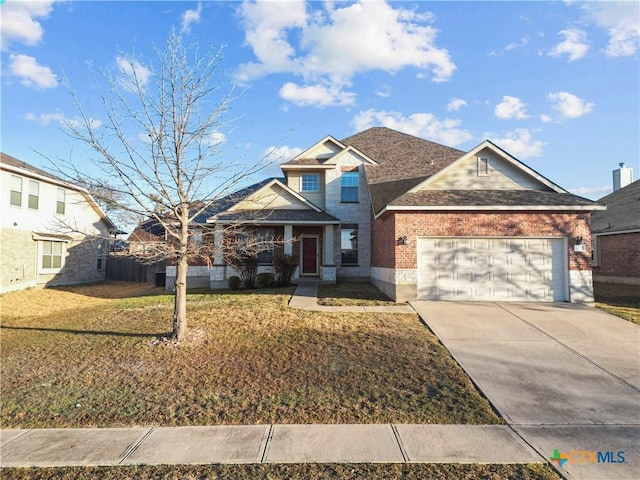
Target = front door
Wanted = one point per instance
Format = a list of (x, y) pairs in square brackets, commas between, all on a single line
[(309, 255)]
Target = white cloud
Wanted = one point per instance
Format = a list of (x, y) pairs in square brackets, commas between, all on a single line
[(424, 125), (189, 17), (620, 19), (215, 139), (275, 156), (31, 73), (519, 143), (574, 44), (335, 43), (546, 118), (132, 72), (45, 119), (281, 154), (456, 104), (511, 107), (591, 191), (19, 21), (316, 95), (523, 41), (569, 105), (384, 91)]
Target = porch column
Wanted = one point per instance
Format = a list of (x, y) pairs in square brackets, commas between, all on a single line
[(327, 242), (328, 264), (217, 274), (288, 240)]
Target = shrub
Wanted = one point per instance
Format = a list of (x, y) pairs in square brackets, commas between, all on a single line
[(234, 282), (285, 265), (247, 269), (265, 280)]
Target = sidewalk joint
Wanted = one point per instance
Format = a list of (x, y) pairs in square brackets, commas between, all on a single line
[(403, 451), (266, 443), (133, 447)]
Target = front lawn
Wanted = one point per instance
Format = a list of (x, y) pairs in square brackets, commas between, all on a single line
[(619, 299), (310, 471), (89, 357), (352, 294)]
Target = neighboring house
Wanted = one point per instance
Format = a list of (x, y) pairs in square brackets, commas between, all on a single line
[(53, 232), (616, 237), (418, 220)]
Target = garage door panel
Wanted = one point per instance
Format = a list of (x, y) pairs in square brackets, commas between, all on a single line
[(467, 268)]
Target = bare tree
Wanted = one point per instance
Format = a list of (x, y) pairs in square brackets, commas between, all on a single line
[(158, 151)]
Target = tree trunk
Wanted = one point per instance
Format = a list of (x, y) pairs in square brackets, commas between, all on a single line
[(180, 302)]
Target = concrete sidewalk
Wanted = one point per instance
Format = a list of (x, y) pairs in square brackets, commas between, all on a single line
[(362, 443), (306, 298)]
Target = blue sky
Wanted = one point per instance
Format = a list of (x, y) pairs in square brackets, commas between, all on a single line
[(556, 84)]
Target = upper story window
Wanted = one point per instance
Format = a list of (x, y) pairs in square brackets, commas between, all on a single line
[(483, 166), (34, 194), (310, 182), (350, 181), (61, 201), (15, 197)]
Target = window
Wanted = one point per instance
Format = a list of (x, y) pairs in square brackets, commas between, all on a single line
[(265, 246), (349, 245), (310, 182), (15, 198), (100, 264), (34, 189), (350, 186), (61, 202), (196, 239), (483, 166), (51, 254)]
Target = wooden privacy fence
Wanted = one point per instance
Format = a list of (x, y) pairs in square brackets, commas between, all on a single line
[(127, 269)]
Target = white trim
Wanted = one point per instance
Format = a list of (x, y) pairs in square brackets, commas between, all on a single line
[(569, 208), (326, 139), (277, 222), (334, 160), (498, 151), (307, 167), (619, 232)]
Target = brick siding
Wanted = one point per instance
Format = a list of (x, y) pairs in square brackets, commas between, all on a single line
[(619, 255), (476, 224)]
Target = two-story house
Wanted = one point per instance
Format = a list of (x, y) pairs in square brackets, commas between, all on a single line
[(52, 232), (418, 220)]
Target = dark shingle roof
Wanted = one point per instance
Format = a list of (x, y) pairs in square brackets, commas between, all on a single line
[(403, 161), (490, 198), (276, 215), (306, 161), (14, 162), (622, 213)]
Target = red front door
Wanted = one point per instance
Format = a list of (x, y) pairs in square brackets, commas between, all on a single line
[(309, 256)]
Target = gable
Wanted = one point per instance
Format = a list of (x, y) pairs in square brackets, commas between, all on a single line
[(487, 167), (469, 174), (349, 156), (324, 149), (273, 196)]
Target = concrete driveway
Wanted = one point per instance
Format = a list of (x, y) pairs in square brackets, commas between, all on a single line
[(565, 377)]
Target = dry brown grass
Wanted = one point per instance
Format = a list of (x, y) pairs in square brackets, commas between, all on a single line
[(86, 356), (352, 294), (618, 299), (415, 471)]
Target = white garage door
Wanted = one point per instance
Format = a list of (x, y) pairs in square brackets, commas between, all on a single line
[(469, 268)]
